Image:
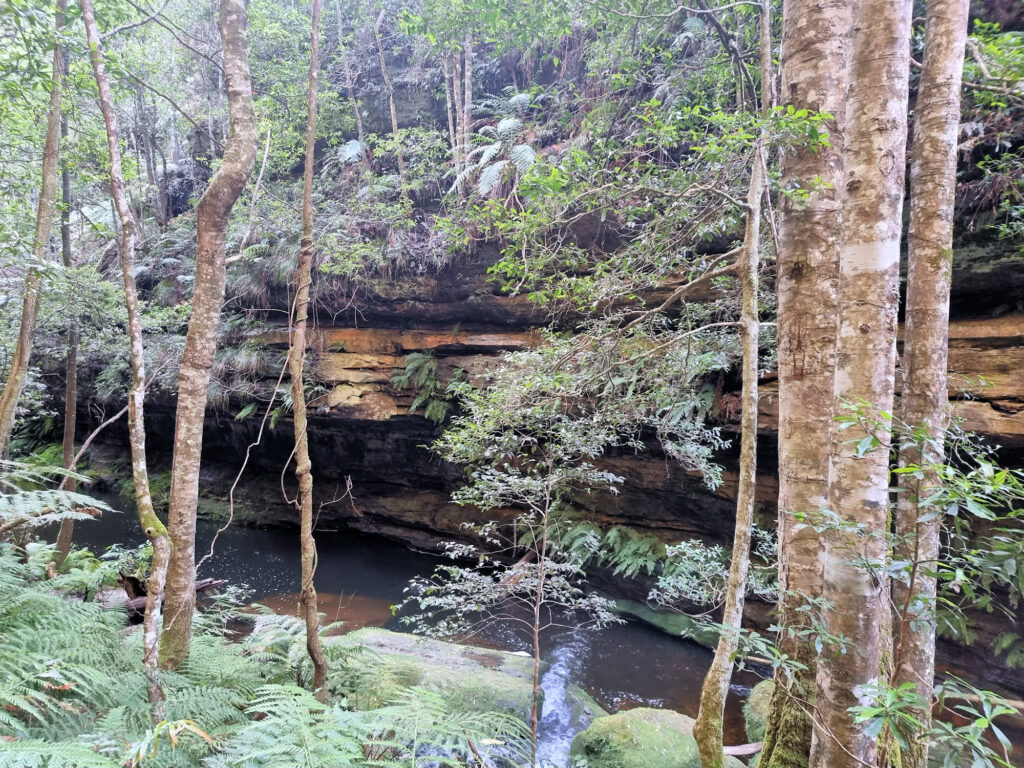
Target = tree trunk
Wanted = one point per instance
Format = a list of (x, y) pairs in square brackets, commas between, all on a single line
[(33, 280), (459, 151), (708, 728), (924, 402), (296, 360), (67, 527), (390, 88), (856, 593), (450, 105), (815, 49), (154, 530), (212, 216), (467, 106), (350, 89)]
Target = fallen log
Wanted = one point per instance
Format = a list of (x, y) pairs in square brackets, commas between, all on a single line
[(742, 750), (136, 606)]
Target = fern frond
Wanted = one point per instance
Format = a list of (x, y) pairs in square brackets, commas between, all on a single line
[(491, 177), (522, 156)]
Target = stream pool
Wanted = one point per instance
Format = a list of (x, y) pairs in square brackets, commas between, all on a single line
[(359, 577)]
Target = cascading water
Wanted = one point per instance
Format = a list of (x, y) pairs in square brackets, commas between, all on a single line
[(559, 723)]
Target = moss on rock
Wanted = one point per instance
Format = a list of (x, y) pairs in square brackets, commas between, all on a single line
[(755, 710), (678, 624), (474, 679), (640, 738)]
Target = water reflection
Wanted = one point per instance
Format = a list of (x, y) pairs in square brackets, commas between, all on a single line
[(621, 666)]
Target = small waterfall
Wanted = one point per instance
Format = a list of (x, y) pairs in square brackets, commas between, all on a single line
[(559, 720)]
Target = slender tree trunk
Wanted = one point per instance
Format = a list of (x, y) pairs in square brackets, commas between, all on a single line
[(815, 52), (144, 144), (390, 88), (350, 89), (708, 728), (538, 603), (212, 216), (67, 527), (296, 360), (467, 105), (449, 103), (33, 280), (854, 586), (461, 159), (924, 400), (154, 530)]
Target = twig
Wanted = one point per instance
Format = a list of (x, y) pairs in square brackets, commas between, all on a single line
[(134, 24), (177, 108)]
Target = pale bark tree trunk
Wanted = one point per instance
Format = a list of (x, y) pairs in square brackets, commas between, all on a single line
[(390, 88), (212, 216), (815, 52), (67, 527), (467, 106), (924, 401), (856, 593), (153, 529), (460, 121), (296, 360), (449, 103), (708, 730), (33, 279)]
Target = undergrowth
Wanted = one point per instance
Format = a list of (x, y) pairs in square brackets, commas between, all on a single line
[(73, 693)]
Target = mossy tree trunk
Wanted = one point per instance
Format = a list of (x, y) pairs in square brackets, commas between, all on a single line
[(212, 215), (854, 586), (924, 400), (44, 223), (707, 730), (815, 50), (153, 529), (296, 367)]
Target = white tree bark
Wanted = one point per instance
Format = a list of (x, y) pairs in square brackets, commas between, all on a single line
[(815, 52), (857, 595), (153, 529), (924, 402)]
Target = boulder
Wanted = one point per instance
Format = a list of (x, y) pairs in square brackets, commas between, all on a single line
[(755, 710), (473, 679), (640, 738)]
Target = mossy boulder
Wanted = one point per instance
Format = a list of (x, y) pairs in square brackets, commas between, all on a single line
[(474, 679), (678, 624), (755, 710), (640, 738)]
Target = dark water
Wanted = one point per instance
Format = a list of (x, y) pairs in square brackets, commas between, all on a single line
[(359, 577)]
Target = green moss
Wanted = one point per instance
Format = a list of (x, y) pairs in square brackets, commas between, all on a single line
[(755, 710), (475, 680), (677, 624), (640, 738)]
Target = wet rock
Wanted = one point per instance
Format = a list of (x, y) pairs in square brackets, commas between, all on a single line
[(473, 679), (755, 709), (640, 738)]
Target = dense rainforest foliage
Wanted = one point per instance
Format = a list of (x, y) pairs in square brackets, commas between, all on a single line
[(556, 236)]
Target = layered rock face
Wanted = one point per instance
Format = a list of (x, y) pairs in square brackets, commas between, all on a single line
[(362, 429)]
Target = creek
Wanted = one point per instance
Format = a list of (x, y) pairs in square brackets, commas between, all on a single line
[(360, 577)]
